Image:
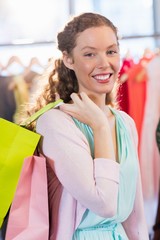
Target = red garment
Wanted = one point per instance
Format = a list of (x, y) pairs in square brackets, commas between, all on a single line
[(122, 95), (137, 80), (126, 65)]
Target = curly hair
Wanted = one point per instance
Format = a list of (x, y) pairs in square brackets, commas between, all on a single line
[(61, 79)]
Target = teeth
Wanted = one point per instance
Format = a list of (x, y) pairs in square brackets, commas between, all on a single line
[(102, 77)]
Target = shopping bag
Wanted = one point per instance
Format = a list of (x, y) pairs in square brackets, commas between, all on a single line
[(16, 143), (29, 215)]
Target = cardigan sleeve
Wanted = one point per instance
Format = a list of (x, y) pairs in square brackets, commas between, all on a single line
[(92, 182)]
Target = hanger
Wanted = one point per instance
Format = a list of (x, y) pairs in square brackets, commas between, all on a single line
[(157, 51), (14, 59), (14, 66), (128, 55), (35, 66), (1, 67)]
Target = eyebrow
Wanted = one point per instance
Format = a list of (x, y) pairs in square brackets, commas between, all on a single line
[(89, 47)]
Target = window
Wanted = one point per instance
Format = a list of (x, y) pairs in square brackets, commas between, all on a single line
[(31, 20), (133, 18)]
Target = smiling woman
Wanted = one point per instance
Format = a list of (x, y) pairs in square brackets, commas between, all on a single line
[(95, 60), (91, 147)]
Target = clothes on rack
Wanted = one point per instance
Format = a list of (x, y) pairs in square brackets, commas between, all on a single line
[(122, 97), (142, 84), (7, 100), (149, 155), (156, 226), (17, 83)]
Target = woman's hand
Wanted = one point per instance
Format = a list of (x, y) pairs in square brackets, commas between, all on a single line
[(85, 110)]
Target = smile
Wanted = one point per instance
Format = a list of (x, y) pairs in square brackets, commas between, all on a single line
[(102, 77)]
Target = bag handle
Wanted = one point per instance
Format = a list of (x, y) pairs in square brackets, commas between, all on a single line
[(41, 111)]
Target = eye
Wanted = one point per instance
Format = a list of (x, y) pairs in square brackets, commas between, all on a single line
[(89, 54), (112, 52)]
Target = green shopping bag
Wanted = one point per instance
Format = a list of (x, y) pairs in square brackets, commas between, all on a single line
[(16, 143)]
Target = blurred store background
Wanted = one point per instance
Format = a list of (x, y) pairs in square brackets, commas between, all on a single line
[(28, 27)]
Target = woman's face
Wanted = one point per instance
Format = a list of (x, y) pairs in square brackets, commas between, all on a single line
[(95, 60)]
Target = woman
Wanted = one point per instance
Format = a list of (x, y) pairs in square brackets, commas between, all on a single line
[(91, 148)]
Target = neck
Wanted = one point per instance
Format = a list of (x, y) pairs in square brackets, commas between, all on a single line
[(100, 101)]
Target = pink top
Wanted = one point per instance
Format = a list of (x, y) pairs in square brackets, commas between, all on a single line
[(78, 182)]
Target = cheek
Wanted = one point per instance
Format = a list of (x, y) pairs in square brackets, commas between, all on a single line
[(84, 68), (117, 66), (118, 63)]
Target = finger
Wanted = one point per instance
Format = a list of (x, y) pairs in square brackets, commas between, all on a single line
[(76, 99), (57, 97), (85, 98), (68, 107)]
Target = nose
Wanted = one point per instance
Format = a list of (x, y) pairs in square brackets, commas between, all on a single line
[(103, 61)]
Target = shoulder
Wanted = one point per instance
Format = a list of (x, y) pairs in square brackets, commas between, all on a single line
[(127, 118), (56, 122), (53, 117)]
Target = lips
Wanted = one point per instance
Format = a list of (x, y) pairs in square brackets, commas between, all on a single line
[(102, 77)]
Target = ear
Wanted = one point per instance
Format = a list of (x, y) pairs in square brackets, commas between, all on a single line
[(67, 60)]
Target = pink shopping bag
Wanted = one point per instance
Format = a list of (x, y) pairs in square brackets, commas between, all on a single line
[(29, 216)]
